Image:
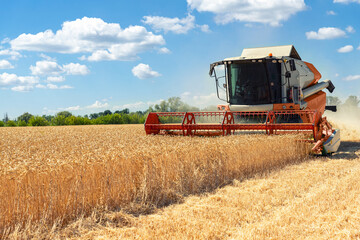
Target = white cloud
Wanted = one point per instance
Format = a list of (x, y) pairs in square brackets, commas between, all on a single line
[(346, 1), (350, 29), (346, 49), (46, 57), (26, 83), (55, 79), (103, 41), (352, 78), (7, 79), (204, 28), (144, 71), (75, 69), (200, 100), (358, 47), (22, 88), (175, 25), (164, 50), (98, 104), (40, 86), (326, 33), (5, 40), (14, 55), (46, 67), (331, 13), (137, 106), (4, 64), (53, 86), (73, 108), (261, 11)]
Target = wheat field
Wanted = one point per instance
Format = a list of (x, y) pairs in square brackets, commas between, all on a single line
[(52, 176), (314, 199)]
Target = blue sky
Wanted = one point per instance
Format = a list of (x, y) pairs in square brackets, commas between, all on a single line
[(88, 56)]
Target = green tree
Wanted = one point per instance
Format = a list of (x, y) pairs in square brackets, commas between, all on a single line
[(107, 112), (94, 115), (2, 124), (48, 118), (59, 120), (174, 104), (38, 121), (64, 113), (22, 123), (25, 117), (10, 123)]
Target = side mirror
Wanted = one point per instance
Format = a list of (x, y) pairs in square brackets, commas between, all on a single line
[(212, 66)]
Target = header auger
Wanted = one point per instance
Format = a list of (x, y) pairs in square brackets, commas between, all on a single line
[(268, 90)]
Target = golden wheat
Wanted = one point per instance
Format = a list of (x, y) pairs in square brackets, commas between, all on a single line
[(54, 175)]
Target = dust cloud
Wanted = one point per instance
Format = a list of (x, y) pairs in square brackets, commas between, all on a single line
[(348, 121)]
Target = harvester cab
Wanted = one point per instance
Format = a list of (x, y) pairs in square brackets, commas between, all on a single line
[(267, 89)]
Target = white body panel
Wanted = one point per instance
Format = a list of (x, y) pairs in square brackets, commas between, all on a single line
[(333, 143)]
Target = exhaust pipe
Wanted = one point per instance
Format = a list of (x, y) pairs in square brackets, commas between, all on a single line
[(307, 92)]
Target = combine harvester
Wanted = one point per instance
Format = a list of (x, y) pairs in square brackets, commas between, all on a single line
[(268, 89)]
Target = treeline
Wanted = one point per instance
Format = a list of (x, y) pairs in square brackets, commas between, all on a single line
[(173, 104)]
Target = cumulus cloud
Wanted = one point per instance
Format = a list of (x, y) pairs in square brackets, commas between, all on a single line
[(8, 79), (55, 79), (75, 69), (346, 49), (164, 50), (350, 29), (262, 11), (331, 13), (46, 67), (346, 1), (53, 86), (140, 105), (326, 33), (72, 108), (46, 57), (93, 36), (352, 78), (98, 104), (14, 55), (175, 25), (22, 88), (201, 101), (4, 64), (144, 71)]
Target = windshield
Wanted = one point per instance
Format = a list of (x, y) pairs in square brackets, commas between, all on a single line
[(249, 84)]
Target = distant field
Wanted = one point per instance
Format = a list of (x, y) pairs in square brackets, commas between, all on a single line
[(51, 176)]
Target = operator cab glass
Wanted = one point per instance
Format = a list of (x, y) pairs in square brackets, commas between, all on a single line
[(254, 82)]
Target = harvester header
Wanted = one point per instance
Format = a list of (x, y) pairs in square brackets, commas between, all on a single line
[(267, 89)]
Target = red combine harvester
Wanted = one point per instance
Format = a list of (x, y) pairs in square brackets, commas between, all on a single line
[(268, 90)]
